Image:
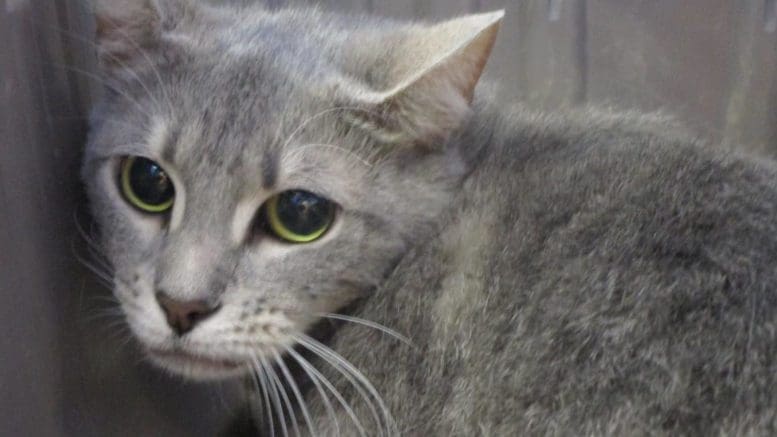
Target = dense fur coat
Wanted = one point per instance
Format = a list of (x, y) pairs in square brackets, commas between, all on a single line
[(595, 276), (574, 273)]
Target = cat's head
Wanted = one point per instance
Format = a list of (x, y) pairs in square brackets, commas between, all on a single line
[(252, 170)]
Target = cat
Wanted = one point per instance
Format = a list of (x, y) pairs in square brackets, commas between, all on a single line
[(331, 207)]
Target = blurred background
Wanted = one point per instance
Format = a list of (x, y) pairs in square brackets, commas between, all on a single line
[(67, 366)]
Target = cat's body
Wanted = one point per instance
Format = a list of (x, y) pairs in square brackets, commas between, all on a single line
[(576, 273), (595, 276)]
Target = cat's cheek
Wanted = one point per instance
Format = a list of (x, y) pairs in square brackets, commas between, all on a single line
[(143, 315)]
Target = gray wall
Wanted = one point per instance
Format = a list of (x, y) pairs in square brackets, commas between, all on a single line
[(66, 365)]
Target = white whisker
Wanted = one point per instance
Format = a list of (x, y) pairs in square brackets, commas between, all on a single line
[(124, 65), (280, 390), (105, 278), (370, 324), (295, 389), (348, 410), (102, 82), (343, 370), (259, 378), (154, 69), (322, 393), (333, 357), (338, 148), (91, 242), (99, 268), (273, 390), (309, 120)]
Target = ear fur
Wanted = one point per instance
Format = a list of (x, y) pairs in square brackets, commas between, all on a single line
[(435, 80), (125, 28)]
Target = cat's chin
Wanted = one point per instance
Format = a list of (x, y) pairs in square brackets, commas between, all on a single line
[(197, 367)]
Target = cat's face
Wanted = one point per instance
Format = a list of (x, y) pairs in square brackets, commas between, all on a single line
[(249, 174)]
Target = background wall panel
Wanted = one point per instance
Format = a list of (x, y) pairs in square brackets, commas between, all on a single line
[(36, 184), (396, 8), (346, 5), (438, 9), (539, 57), (665, 54), (751, 114)]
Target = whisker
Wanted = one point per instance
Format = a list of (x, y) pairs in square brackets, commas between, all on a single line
[(320, 114), (104, 278), (112, 314), (348, 377), (94, 118), (273, 396), (309, 120), (100, 81), (117, 333), (295, 389), (93, 247), (273, 384), (81, 231), (325, 351), (327, 404), (370, 324), (154, 69), (339, 148), (101, 277), (107, 298), (284, 396), (348, 410), (259, 378), (98, 258), (124, 65)]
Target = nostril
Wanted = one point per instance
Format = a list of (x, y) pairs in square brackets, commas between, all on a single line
[(183, 316)]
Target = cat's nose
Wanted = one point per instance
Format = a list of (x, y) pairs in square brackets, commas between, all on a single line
[(183, 316)]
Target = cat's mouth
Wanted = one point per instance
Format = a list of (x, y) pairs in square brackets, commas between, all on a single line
[(197, 366)]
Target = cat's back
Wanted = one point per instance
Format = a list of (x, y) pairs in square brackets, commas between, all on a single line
[(633, 274), (602, 274), (636, 182)]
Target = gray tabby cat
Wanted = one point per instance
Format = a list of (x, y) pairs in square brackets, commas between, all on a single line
[(257, 173)]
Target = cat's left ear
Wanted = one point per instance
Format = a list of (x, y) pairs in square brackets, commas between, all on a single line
[(127, 29), (430, 80)]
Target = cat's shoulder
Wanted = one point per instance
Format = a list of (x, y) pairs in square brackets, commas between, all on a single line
[(595, 173), (649, 147)]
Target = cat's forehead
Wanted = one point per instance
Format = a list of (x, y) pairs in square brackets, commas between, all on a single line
[(232, 96), (237, 112)]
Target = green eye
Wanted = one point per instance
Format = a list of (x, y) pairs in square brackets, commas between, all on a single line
[(145, 185), (299, 216)]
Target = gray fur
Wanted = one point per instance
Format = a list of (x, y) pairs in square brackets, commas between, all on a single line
[(575, 273), (594, 277)]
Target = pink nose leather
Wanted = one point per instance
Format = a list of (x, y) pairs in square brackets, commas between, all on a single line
[(183, 316)]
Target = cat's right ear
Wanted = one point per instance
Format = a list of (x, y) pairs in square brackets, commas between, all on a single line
[(423, 79), (128, 29)]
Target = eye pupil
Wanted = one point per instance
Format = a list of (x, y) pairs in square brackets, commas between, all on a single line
[(150, 183), (299, 216), (146, 185)]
